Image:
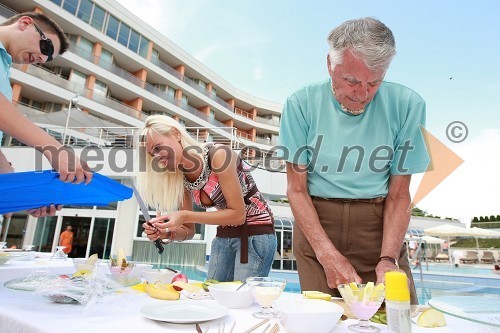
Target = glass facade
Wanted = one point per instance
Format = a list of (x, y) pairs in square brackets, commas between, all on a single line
[(89, 12)]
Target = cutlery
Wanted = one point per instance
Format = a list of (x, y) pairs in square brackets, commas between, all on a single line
[(198, 328), (275, 328), (147, 217), (232, 327), (253, 328), (241, 285)]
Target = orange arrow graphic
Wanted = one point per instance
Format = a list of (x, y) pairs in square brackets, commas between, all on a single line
[(443, 161)]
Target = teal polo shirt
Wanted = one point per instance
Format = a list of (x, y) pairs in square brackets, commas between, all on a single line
[(5, 88), (353, 156)]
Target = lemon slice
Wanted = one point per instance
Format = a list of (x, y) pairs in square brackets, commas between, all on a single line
[(367, 292), (431, 318), (353, 286), (317, 295)]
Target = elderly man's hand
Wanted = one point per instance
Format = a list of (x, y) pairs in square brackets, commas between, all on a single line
[(44, 211), (338, 270)]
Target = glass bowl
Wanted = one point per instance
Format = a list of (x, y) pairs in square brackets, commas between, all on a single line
[(120, 269), (363, 300)]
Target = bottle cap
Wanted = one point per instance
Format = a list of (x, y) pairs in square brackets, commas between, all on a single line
[(396, 286)]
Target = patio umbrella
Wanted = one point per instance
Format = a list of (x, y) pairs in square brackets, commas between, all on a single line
[(446, 230), (26, 190), (432, 240), (482, 233)]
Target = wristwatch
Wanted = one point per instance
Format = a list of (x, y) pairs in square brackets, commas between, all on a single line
[(391, 259)]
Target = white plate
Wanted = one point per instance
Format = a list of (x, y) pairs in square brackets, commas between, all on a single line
[(184, 311)]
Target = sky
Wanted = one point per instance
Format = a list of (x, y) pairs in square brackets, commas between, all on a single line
[(448, 51)]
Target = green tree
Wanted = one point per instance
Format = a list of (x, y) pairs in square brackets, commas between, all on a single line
[(475, 219), (418, 212), (493, 218)]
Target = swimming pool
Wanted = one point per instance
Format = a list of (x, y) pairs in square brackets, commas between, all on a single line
[(439, 280)]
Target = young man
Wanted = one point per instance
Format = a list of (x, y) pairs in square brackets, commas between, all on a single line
[(29, 38)]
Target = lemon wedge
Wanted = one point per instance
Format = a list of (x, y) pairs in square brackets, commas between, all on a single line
[(317, 295), (431, 318)]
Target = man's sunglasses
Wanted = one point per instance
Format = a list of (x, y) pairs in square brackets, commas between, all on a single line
[(46, 46)]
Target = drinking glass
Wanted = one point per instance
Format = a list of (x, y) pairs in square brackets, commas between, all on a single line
[(363, 300), (265, 291), (60, 255)]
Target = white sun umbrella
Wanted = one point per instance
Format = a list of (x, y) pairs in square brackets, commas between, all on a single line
[(432, 240), (482, 233), (446, 230)]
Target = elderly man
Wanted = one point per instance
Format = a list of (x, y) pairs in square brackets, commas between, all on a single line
[(351, 144)]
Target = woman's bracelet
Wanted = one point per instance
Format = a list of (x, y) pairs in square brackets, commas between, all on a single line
[(170, 237), (186, 237)]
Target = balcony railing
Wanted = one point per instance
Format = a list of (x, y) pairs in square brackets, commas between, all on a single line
[(145, 85), (61, 82), (243, 113)]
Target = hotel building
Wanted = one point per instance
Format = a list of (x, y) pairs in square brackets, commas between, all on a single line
[(117, 71)]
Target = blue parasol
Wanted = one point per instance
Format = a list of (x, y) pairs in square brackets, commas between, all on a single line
[(33, 189)]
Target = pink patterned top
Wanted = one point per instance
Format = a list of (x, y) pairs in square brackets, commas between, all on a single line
[(257, 209)]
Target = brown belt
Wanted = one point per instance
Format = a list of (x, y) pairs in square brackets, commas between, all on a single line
[(374, 200), (243, 232)]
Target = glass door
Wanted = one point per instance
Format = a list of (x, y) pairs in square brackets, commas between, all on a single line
[(102, 237), (81, 231)]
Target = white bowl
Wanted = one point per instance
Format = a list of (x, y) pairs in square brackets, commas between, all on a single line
[(308, 315), (154, 275), (140, 268), (226, 294)]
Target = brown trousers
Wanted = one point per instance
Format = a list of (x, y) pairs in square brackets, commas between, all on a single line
[(355, 228)]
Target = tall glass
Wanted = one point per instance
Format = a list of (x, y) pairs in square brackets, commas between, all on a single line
[(60, 255), (265, 291), (363, 300)]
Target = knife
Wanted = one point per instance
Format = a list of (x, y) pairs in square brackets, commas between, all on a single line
[(147, 217)]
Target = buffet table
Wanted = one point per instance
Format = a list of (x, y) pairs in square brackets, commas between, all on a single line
[(26, 312)]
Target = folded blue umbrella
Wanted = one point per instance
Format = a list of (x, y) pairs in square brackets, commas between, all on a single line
[(26, 190)]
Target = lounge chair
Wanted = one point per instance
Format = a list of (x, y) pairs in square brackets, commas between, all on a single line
[(470, 257), (488, 257), (441, 257)]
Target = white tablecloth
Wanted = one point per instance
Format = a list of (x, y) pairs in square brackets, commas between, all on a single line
[(25, 312)]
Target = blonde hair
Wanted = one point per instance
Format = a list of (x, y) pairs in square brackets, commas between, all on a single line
[(163, 189)]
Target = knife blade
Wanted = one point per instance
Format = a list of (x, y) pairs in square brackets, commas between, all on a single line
[(147, 217)]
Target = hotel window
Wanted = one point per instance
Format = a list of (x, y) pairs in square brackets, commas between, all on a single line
[(134, 41), (112, 29), (85, 10), (212, 114), (57, 2), (86, 45), (98, 17), (144, 47), (171, 92), (124, 34), (100, 88), (106, 56), (155, 55), (78, 77), (71, 6)]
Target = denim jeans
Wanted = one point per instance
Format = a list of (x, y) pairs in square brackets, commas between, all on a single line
[(224, 263)]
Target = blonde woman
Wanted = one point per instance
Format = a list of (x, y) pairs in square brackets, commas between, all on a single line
[(180, 170)]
